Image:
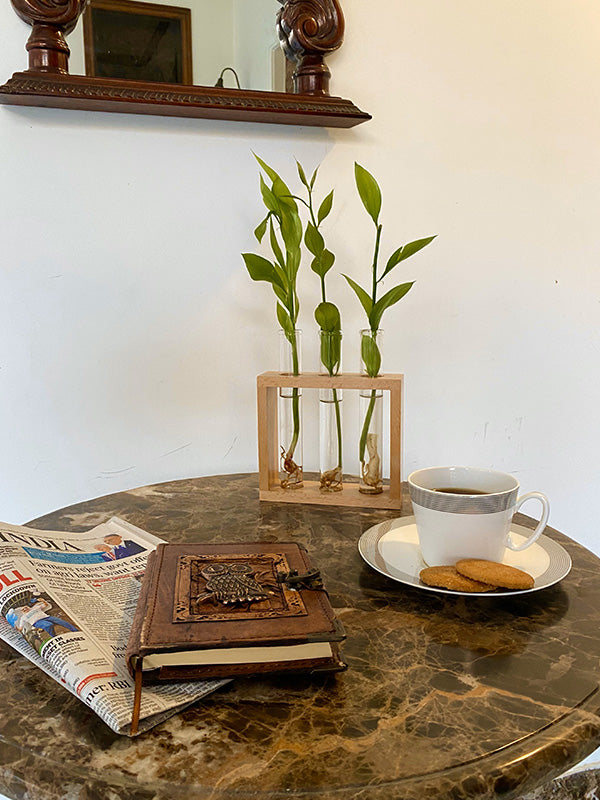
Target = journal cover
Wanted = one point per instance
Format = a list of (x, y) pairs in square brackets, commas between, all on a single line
[(217, 610)]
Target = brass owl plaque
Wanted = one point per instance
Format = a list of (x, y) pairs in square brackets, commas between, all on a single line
[(216, 588)]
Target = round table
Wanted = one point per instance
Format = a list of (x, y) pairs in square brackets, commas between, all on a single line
[(446, 697)]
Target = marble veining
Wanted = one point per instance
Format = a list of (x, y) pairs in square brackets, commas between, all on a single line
[(445, 697)]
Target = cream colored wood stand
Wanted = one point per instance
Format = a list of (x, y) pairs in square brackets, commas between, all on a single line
[(268, 446)]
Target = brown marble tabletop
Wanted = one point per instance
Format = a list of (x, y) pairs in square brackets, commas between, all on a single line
[(446, 697)]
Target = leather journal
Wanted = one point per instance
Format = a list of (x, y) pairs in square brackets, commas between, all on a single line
[(221, 610)]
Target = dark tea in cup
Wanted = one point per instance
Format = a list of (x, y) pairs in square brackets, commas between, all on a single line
[(458, 490)]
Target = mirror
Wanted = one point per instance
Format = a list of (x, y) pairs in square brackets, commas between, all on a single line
[(191, 43), (185, 60)]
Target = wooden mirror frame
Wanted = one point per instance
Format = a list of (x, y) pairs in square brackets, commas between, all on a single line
[(308, 31)]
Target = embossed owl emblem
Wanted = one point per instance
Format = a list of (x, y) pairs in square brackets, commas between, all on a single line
[(232, 583)]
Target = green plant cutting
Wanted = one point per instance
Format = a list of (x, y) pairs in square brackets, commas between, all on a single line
[(374, 305), (327, 314), (284, 225)]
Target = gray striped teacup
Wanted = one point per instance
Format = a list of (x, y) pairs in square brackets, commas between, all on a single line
[(465, 512)]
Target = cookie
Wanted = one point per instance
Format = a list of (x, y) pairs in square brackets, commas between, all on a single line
[(449, 578), (492, 572)]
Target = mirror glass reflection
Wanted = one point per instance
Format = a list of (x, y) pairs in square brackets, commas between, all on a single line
[(193, 42)]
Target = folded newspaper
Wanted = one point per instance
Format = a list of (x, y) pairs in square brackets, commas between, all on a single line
[(67, 602)]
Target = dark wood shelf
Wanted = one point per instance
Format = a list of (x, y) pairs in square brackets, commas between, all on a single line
[(165, 99)]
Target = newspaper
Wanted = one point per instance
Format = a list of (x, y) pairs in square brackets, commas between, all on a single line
[(67, 602)]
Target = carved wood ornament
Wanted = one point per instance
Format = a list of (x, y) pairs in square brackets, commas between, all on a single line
[(47, 47), (308, 31)]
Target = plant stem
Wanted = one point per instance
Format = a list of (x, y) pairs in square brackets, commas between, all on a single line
[(371, 407), (336, 399), (296, 418), (295, 398), (338, 418), (338, 422), (366, 424), (373, 397), (375, 261)]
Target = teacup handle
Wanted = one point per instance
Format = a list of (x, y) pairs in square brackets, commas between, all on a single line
[(541, 524)]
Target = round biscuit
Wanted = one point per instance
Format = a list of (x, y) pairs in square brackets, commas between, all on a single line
[(447, 577), (495, 573)]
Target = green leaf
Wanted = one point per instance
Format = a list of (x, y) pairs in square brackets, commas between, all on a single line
[(291, 228), (325, 263), (369, 191), (285, 235), (413, 247), (281, 275), (294, 257), (404, 252), (269, 170), (327, 259), (328, 317), (364, 298), (394, 259), (314, 177), (275, 246), (281, 294), (325, 207), (313, 240), (284, 320), (279, 192), (283, 194), (331, 350), (370, 355), (302, 174), (260, 269), (296, 308), (388, 299), (269, 199), (322, 263), (261, 228)]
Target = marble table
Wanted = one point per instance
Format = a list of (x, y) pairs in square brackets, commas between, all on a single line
[(446, 697)]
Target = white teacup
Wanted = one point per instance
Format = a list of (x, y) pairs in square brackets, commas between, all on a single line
[(465, 512)]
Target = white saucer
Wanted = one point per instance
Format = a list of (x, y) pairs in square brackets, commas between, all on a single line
[(392, 548)]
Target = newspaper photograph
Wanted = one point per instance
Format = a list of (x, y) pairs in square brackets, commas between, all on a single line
[(67, 602)]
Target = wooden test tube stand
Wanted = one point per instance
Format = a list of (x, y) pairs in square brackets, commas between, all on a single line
[(268, 384)]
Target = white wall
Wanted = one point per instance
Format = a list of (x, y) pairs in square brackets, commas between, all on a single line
[(131, 335)]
